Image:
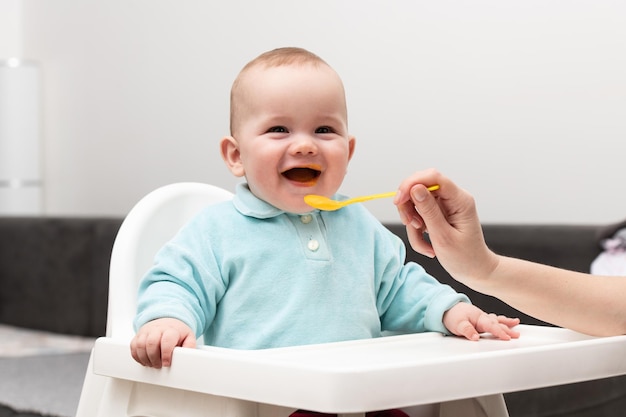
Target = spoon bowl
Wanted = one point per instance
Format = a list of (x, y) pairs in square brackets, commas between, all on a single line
[(324, 203)]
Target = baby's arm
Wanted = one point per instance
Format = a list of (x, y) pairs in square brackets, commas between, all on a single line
[(467, 320), (155, 341)]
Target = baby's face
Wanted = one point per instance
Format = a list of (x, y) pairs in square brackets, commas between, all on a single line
[(292, 137)]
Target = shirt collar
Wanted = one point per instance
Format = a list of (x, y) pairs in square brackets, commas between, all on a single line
[(250, 205)]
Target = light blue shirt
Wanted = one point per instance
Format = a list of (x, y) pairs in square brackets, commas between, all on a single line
[(247, 275)]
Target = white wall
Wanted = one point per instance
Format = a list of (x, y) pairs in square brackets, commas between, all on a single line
[(523, 103), (10, 28)]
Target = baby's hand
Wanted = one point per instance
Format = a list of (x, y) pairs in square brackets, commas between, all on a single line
[(469, 321), (155, 341)]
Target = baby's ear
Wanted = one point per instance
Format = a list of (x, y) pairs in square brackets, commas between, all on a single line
[(232, 156), (351, 146)]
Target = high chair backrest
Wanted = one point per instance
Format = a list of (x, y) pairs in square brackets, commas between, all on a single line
[(148, 226)]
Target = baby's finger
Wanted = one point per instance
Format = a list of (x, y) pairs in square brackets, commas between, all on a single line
[(466, 329), (498, 326), (508, 321), (138, 349), (512, 332), (169, 340), (153, 350), (189, 341), (504, 332)]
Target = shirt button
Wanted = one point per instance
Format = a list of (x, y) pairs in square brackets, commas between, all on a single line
[(306, 218), (313, 245)]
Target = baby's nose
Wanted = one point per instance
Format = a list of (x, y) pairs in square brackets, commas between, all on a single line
[(304, 144)]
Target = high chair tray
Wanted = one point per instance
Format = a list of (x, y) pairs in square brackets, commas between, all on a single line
[(390, 372)]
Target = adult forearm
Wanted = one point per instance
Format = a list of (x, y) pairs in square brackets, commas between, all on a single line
[(586, 303)]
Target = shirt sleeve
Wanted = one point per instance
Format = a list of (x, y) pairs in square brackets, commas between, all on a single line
[(409, 299), (184, 283)]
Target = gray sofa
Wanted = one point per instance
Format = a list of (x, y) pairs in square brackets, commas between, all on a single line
[(54, 273)]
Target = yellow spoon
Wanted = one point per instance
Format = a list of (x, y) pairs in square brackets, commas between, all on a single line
[(324, 203)]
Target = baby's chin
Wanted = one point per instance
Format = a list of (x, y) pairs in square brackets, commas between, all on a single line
[(286, 201), (295, 208)]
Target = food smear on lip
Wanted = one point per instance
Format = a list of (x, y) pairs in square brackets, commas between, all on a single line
[(303, 175)]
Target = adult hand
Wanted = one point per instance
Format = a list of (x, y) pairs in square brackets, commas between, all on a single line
[(449, 217)]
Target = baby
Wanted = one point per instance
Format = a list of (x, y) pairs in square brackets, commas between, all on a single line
[(265, 269)]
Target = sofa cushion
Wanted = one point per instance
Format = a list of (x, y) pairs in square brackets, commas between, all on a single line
[(54, 273)]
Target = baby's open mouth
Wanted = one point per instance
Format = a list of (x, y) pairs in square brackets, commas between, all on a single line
[(303, 175)]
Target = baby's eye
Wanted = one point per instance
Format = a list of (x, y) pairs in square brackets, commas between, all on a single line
[(277, 129), (324, 129)]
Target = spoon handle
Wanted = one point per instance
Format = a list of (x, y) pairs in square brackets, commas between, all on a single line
[(382, 195), (371, 197)]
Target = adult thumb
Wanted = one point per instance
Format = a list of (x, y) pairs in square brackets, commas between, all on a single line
[(428, 208)]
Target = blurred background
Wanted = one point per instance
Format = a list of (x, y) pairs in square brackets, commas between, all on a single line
[(522, 103)]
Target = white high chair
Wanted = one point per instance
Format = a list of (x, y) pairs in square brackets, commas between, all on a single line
[(425, 374), (152, 221)]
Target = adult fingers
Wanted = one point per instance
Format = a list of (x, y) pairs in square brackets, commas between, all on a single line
[(428, 208), (418, 241)]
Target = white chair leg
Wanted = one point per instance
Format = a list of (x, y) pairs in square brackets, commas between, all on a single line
[(91, 393), (115, 398)]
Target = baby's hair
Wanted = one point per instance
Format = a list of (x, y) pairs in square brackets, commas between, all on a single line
[(284, 56), (274, 58)]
